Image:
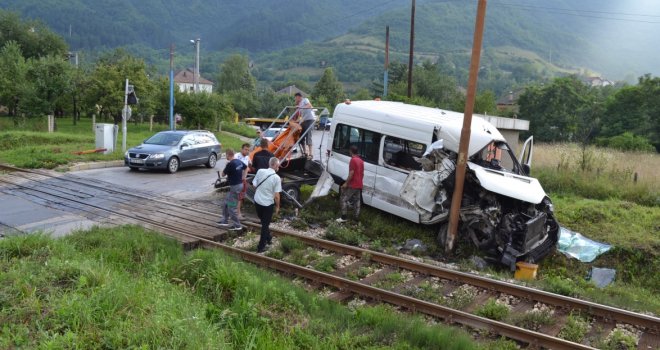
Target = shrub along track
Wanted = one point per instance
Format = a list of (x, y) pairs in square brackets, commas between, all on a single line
[(195, 227)]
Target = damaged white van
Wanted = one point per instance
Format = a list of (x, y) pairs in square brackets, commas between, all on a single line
[(410, 155)]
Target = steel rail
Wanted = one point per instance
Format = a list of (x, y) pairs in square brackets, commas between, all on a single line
[(381, 295), (650, 323)]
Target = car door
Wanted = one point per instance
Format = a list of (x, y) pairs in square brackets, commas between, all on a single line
[(526, 153), (203, 147), (395, 163), (187, 150), (367, 143)]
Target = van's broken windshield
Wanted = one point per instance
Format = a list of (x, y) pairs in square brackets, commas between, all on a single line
[(497, 156)]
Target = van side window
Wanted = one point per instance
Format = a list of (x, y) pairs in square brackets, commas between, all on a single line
[(367, 142), (400, 153)]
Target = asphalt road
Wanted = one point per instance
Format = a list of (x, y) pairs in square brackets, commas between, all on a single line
[(196, 183), (187, 183)]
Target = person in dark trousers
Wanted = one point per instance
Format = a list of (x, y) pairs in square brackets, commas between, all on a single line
[(268, 186), (234, 173), (351, 190), (243, 156), (262, 157)]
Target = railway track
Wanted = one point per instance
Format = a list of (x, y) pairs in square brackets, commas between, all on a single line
[(194, 227)]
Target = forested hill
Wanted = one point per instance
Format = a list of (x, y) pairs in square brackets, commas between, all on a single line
[(608, 36), (614, 37), (254, 25)]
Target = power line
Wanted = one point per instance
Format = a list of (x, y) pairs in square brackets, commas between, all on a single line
[(335, 21), (578, 10), (563, 12)]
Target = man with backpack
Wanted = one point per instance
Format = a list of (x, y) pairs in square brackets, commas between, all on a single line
[(268, 186)]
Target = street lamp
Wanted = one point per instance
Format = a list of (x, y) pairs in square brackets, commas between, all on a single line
[(196, 70)]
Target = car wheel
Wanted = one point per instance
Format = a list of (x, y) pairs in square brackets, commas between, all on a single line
[(442, 235), (173, 165), (134, 168), (292, 191), (212, 160)]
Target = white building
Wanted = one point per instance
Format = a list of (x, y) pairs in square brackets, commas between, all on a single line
[(184, 79)]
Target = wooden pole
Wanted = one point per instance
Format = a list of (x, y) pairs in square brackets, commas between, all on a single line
[(412, 45), (467, 123)]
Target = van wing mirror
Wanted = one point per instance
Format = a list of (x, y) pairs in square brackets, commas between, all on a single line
[(526, 153)]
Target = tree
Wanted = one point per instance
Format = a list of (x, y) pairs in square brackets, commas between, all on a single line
[(271, 103), (565, 110), (235, 75), (484, 103), (330, 88), (13, 70), (635, 109), (34, 37), (107, 84), (48, 80), (203, 110), (362, 94)]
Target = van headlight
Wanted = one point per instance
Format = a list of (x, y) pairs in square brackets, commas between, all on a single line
[(126, 154), (157, 156)]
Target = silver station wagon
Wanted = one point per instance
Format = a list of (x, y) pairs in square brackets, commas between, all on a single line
[(172, 150)]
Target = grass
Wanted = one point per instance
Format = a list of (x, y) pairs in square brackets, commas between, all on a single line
[(127, 288), (621, 223), (619, 340), (533, 319), (240, 129), (390, 281), (344, 234), (598, 173), (575, 328), (30, 146), (493, 310)]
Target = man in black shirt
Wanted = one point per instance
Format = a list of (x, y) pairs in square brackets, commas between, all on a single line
[(234, 172), (260, 159)]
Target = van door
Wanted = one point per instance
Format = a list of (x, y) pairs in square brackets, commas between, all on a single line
[(368, 143), (396, 162), (526, 153)]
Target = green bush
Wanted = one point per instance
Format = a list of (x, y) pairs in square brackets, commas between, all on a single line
[(344, 234), (239, 128), (534, 319), (493, 310), (575, 329), (619, 340), (289, 244), (326, 264), (627, 142)]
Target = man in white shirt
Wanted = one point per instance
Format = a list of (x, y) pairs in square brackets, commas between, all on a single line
[(305, 116), (267, 199), (243, 156)]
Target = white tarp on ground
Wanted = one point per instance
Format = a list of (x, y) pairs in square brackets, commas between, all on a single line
[(579, 247)]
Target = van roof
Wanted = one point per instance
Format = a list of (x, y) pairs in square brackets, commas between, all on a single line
[(417, 123)]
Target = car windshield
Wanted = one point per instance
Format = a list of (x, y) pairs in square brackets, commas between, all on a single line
[(164, 139), (270, 133), (497, 156)]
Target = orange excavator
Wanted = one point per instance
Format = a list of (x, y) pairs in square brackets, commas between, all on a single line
[(283, 144), (294, 171)]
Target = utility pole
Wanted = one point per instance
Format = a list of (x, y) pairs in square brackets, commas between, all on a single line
[(196, 70), (412, 44), (172, 124), (387, 60), (124, 116), (467, 123)]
